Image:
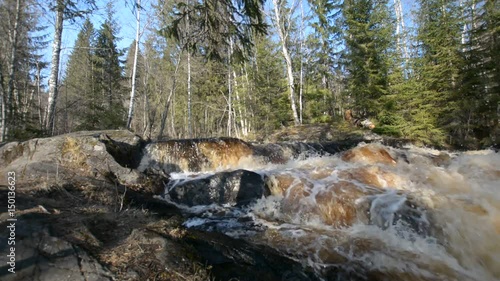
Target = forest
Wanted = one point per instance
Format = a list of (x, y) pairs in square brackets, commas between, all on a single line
[(424, 70)]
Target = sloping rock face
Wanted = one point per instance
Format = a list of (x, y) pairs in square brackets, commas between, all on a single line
[(194, 154), (238, 187), (74, 156)]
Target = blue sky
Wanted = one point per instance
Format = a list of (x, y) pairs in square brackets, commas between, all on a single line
[(126, 21), (123, 16)]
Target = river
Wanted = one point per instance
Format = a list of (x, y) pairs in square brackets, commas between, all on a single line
[(372, 213)]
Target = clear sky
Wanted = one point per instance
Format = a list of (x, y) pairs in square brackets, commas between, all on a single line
[(123, 15), (126, 21)]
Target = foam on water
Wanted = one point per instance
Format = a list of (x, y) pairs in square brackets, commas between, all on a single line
[(434, 215)]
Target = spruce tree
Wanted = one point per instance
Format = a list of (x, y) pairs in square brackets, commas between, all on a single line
[(108, 74), (368, 36), (436, 70), (81, 103), (478, 99)]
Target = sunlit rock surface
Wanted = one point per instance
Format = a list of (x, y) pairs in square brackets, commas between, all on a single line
[(302, 210)]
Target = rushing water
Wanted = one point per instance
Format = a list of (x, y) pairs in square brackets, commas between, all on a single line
[(373, 213)]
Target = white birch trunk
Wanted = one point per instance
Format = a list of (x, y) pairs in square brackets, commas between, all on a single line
[(229, 102), (400, 30), (243, 122), (283, 34), (301, 48), (190, 130), (54, 71), (134, 67), (38, 92)]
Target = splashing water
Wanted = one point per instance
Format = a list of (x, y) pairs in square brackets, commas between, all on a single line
[(374, 213)]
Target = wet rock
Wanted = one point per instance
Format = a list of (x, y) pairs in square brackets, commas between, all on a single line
[(238, 187), (194, 154), (443, 159), (369, 154), (233, 259)]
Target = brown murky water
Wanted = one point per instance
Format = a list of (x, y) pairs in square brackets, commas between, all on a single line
[(375, 213)]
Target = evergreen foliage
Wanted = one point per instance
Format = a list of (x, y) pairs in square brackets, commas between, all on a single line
[(108, 73), (369, 38), (79, 102), (208, 68)]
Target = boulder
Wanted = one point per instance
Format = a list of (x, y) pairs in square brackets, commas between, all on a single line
[(193, 154), (369, 154), (238, 187), (75, 156)]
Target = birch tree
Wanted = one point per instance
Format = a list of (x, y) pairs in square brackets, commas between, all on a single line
[(402, 43), (64, 9), (134, 67), (282, 22)]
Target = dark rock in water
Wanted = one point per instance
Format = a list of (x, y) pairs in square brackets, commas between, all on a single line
[(443, 159), (233, 259), (238, 187), (402, 211)]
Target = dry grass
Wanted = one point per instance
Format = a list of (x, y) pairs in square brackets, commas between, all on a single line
[(73, 155)]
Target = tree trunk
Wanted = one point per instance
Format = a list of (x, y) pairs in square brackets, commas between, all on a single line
[(190, 130), (283, 34), (229, 103), (38, 92), (3, 108), (242, 113), (168, 102), (54, 72), (13, 38), (400, 31), (134, 67), (301, 49)]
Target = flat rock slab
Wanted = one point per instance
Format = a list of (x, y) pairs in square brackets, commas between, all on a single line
[(43, 257)]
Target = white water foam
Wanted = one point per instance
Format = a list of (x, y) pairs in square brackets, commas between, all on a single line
[(435, 215)]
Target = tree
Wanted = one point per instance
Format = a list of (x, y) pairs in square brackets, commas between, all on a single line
[(64, 9), (109, 74), (134, 67), (282, 23), (18, 56), (478, 97), (368, 38), (436, 70), (80, 81), (214, 22)]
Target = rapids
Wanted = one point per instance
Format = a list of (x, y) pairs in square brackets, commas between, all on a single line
[(371, 213)]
